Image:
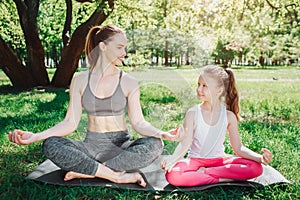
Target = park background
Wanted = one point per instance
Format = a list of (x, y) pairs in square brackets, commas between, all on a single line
[(41, 48)]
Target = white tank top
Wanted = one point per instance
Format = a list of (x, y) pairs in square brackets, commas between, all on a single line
[(208, 140)]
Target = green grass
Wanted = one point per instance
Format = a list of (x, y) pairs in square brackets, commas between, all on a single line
[(270, 108)]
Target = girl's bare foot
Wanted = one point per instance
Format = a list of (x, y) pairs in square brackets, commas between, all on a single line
[(201, 170), (72, 175), (226, 180), (132, 178)]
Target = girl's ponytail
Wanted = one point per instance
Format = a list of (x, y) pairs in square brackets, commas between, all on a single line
[(232, 97)]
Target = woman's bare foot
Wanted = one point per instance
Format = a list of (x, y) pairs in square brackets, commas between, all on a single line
[(72, 175), (132, 178), (122, 177)]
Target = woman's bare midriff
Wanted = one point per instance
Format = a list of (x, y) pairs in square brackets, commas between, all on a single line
[(102, 124)]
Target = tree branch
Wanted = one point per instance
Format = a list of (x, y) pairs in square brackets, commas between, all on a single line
[(83, 1), (271, 5)]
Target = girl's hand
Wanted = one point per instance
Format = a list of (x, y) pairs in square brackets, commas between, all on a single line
[(22, 137), (167, 164), (174, 134), (266, 157)]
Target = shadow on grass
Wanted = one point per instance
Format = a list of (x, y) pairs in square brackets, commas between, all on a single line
[(18, 161), (48, 113), (36, 190), (8, 89)]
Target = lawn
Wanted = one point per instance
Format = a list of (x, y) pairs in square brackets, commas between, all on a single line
[(270, 109)]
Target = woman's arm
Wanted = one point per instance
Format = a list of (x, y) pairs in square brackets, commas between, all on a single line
[(135, 114), (63, 128), (182, 148), (237, 146)]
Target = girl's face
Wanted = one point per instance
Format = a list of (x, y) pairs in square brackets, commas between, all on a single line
[(114, 50), (207, 88)]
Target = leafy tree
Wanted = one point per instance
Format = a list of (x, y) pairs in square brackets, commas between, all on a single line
[(184, 32), (223, 53), (32, 71), (72, 52)]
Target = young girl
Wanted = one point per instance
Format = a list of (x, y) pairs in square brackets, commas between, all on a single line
[(205, 127)]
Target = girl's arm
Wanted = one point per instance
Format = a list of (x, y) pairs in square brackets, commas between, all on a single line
[(182, 148), (237, 146), (136, 117), (63, 128)]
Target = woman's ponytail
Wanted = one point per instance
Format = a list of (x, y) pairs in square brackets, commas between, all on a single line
[(91, 46)]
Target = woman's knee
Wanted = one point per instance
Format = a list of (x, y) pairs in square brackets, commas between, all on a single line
[(155, 144), (49, 144)]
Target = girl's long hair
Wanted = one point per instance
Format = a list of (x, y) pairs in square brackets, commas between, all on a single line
[(232, 96), (226, 79), (96, 35)]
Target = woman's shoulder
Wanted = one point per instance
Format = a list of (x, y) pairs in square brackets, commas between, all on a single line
[(128, 77), (79, 80), (81, 76), (129, 82)]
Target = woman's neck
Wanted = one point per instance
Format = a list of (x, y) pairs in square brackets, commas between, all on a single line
[(105, 69), (103, 66)]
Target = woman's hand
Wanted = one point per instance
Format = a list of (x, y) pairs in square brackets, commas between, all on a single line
[(266, 157), (167, 163), (22, 137), (174, 134)]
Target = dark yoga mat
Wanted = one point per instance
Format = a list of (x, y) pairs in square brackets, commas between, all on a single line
[(49, 173)]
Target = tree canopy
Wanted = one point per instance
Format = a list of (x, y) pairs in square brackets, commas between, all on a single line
[(38, 34)]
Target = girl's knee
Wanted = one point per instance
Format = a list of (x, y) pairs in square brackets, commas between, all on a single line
[(173, 178), (257, 169)]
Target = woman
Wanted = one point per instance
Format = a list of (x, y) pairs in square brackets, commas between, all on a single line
[(104, 91)]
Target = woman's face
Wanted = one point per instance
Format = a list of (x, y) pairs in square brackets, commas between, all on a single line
[(114, 50)]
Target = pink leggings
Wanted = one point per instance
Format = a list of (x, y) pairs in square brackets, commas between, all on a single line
[(185, 172)]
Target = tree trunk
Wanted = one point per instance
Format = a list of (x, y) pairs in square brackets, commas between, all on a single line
[(67, 26), (13, 68), (72, 52), (28, 11), (157, 57), (166, 54), (187, 56)]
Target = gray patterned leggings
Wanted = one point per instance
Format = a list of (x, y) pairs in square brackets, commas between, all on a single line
[(114, 149)]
